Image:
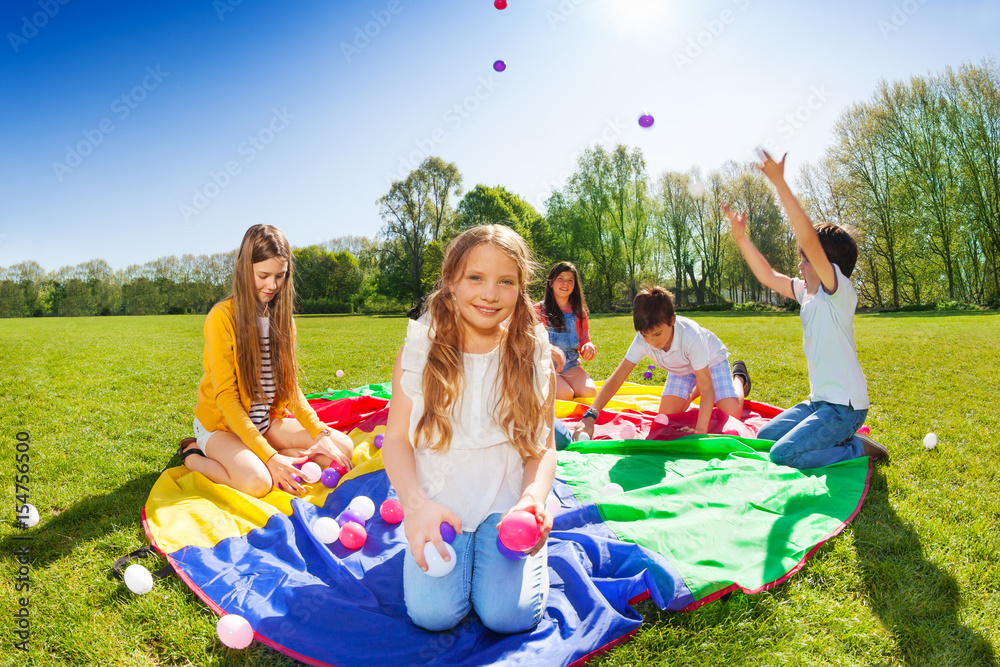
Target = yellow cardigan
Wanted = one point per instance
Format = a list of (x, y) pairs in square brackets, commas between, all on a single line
[(223, 402)]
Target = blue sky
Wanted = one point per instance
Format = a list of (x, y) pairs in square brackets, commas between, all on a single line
[(134, 130)]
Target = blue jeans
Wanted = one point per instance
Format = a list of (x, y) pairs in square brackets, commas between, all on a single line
[(508, 596), (563, 435), (814, 434)]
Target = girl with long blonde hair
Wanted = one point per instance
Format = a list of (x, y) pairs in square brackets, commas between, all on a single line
[(250, 381), (469, 435)]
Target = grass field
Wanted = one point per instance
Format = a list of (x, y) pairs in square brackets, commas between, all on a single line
[(912, 581)]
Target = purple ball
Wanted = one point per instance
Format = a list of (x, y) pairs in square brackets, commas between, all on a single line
[(652, 367), (499, 65), (350, 516), (447, 532), (645, 120), (378, 441), (330, 478), (298, 480), (509, 554), (648, 375)]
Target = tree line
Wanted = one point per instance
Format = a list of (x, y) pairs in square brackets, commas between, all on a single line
[(914, 171)]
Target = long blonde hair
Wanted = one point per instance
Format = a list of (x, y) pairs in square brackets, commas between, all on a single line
[(519, 411), (261, 243)]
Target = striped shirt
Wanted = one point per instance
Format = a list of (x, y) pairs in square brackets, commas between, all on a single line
[(260, 413)]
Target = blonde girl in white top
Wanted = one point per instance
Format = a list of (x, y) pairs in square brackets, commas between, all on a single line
[(469, 435)]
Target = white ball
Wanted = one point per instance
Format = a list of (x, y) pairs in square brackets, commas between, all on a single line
[(364, 506), (628, 432), (311, 472), (581, 436), (611, 489), (759, 154), (340, 373), (437, 566), (326, 530), (662, 419), (27, 516), (930, 441), (138, 579), (696, 188), (553, 506)]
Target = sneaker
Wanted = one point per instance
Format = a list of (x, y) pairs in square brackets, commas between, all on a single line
[(872, 449), (740, 371)]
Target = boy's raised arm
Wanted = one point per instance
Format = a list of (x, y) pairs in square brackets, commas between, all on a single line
[(761, 268), (801, 225)]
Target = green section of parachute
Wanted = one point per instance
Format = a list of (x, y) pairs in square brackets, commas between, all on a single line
[(715, 506), (382, 390)]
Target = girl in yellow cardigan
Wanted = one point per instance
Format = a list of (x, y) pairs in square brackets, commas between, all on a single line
[(242, 436)]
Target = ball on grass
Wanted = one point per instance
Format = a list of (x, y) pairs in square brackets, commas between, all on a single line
[(234, 631), (138, 579), (930, 441), (27, 516), (340, 373)]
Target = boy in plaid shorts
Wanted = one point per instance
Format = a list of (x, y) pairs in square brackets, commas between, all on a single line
[(696, 361)]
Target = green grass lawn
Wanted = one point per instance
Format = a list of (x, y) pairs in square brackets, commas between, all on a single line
[(913, 580)]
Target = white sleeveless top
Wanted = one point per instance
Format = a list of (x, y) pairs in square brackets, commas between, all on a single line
[(480, 473)]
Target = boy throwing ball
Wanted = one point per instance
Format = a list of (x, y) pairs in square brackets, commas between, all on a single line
[(823, 429)]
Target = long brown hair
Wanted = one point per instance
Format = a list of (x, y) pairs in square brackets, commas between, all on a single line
[(553, 314), (519, 409), (261, 243)]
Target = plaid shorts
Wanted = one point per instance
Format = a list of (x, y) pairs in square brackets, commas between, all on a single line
[(722, 382)]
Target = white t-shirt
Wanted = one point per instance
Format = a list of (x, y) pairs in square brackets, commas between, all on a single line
[(481, 472), (692, 348), (835, 374)]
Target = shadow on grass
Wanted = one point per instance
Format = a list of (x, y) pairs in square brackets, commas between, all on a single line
[(87, 520), (916, 600)]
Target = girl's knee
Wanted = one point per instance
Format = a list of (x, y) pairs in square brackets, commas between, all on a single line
[(511, 621), (257, 486), (435, 619)]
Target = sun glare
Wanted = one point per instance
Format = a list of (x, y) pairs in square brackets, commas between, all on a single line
[(637, 16)]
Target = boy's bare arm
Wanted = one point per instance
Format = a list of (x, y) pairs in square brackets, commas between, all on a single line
[(761, 268), (608, 390), (801, 225), (703, 378)]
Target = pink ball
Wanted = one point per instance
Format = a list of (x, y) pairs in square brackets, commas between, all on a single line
[(311, 472), (520, 531), (234, 631), (391, 510), (353, 535)]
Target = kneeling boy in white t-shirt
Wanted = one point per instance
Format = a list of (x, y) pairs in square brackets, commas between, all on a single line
[(696, 361)]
